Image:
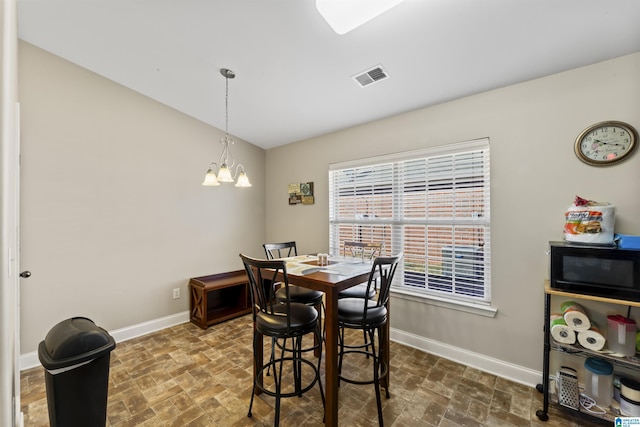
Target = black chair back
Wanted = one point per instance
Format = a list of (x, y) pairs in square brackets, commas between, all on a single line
[(280, 250), (260, 271), (383, 269)]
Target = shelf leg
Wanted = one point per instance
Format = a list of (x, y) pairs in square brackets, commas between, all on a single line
[(543, 414)]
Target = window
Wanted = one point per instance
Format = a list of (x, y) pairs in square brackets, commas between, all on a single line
[(431, 204)]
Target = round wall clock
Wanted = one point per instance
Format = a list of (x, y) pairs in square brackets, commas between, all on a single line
[(606, 143)]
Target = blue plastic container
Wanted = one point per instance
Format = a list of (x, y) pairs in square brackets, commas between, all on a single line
[(626, 241)]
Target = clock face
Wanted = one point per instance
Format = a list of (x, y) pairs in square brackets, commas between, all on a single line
[(606, 143)]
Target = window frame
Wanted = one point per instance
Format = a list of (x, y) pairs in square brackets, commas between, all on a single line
[(398, 222)]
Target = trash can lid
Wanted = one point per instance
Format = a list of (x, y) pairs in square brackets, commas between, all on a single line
[(73, 341)]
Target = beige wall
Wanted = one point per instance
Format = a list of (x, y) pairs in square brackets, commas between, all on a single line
[(534, 178), (114, 216), (113, 213)]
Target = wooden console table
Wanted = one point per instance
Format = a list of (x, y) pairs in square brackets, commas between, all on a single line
[(218, 297)]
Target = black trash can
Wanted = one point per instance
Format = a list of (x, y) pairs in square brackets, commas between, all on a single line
[(76, 354)]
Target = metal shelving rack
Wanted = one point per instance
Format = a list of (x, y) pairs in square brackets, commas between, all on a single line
[(543, 414)]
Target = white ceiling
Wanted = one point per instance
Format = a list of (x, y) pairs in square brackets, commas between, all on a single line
[(294, 74)]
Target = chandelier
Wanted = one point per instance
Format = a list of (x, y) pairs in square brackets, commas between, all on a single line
[(217, 175)]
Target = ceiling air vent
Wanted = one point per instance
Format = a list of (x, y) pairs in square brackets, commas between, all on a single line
[(370, 76)]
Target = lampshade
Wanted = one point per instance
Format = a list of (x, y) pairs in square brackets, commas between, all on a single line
[(243, 180), (224, 175), (210, 179)]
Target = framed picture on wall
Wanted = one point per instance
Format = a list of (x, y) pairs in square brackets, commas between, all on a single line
[(301, 193)]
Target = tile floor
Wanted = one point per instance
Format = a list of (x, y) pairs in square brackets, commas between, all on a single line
[(185, 376)]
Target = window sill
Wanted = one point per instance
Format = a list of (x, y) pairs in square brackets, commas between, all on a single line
[(467, 307)]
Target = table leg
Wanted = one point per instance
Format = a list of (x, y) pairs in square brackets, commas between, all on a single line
[(331, 359)]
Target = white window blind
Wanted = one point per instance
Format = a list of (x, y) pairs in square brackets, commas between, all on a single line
[(433, 205)]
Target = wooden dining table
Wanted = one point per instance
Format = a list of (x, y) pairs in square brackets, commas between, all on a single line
[(340, 274)]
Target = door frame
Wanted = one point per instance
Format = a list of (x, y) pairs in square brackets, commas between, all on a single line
[(10, 414)]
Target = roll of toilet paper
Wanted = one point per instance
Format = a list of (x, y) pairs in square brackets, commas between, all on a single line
[(560, 331), (575, 316), (592, 339)]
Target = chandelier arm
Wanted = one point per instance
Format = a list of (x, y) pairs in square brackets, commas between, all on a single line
[(226, 157), (239, 169), (223, 155)]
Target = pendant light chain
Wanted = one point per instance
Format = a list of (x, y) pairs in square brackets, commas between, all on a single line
[(226, 107)]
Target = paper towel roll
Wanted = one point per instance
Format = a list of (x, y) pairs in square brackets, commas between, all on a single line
[(560, 331), (592, 339), (575, 316), (590, 224)]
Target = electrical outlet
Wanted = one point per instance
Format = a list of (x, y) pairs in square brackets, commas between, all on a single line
[(176, 293)]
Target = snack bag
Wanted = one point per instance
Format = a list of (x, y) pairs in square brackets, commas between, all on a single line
[(587, 221)]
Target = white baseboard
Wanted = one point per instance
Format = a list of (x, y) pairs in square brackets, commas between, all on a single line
[(19, 418), (30, 360), (497, 367), (484, 363)]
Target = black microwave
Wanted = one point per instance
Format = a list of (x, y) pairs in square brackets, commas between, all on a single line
[(595, 270)]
